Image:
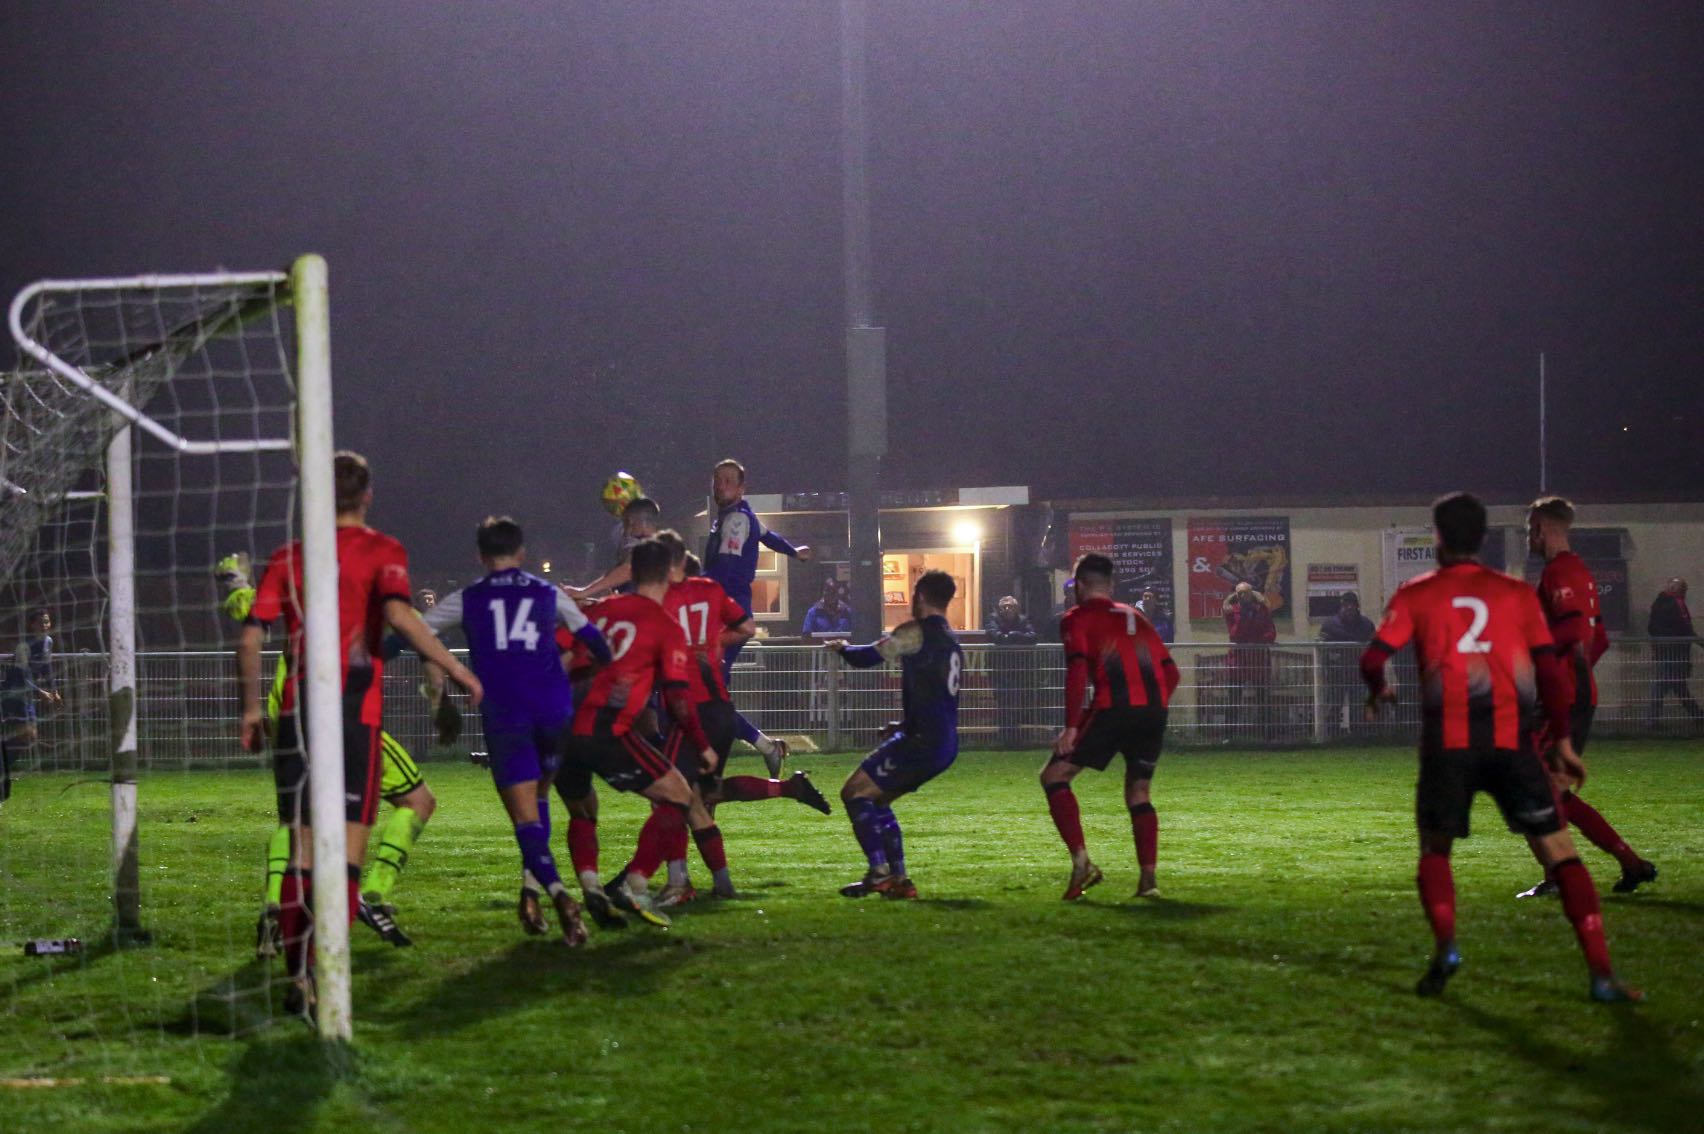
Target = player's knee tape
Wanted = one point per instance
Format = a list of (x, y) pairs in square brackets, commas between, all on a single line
[(1141, 809), (1056, 787)]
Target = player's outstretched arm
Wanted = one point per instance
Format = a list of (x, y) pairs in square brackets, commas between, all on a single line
[(618, 576), (905, 640), (776, 542), (407, 622)]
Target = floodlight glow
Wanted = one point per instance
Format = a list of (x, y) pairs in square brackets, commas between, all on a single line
[(967, 532)]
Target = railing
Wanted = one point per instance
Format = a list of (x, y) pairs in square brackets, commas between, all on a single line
[(1282, 696)]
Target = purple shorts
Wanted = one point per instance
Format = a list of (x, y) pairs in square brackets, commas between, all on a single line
[(904, 763)]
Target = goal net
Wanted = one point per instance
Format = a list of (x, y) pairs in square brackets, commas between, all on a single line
[(155, 427)]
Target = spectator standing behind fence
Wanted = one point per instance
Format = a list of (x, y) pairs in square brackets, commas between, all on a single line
[(1249, 668), (27, 677), (829, 615), (1156, 613), (1008, 627), (1352, 630), (1671, 660)]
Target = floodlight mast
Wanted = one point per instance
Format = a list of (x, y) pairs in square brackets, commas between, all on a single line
[(866, 345)]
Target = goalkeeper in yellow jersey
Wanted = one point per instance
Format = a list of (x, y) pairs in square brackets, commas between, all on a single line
[(400, 783)]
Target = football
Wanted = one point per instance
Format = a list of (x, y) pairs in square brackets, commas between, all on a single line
[(619, 491)]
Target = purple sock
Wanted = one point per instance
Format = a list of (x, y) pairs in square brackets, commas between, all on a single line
[(544, 817), (536, 856), (893, 839), (867, 825), (745, 730)]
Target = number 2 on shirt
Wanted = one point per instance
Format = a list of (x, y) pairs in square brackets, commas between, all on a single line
[(1469, 642)]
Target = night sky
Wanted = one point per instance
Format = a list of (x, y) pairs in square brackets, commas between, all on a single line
[(1121, 249)]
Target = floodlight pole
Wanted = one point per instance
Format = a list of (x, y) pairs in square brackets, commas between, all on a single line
[(866, 345), (1543, 451)]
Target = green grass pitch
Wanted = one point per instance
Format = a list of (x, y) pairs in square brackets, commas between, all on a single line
[(1270, 989)]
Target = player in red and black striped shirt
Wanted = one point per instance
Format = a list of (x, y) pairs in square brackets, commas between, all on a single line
[(373, 593), (649, 651), (1119, 678), (1485, 656), (711, 621), (1569, 595)]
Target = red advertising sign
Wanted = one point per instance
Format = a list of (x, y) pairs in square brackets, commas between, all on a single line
[(1239, 549)]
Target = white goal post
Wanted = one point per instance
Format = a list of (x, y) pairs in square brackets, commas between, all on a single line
[(78, 399)]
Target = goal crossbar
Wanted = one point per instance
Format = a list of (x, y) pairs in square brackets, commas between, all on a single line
[(81, 378)]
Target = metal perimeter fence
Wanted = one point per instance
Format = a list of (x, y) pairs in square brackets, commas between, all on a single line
[(1282, 696)]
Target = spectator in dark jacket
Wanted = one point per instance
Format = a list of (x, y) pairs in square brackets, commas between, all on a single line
[(1156, 612), (1350, 630), (1672, 639), (1008, 626), (1016, 693)]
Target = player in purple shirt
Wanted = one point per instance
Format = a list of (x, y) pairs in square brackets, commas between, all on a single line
[(730, 558), (510, 619)]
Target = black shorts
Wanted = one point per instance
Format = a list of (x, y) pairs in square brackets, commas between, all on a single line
[(721, 725), (1136, 731), (626, 763), (361, 760), (1518, 781)]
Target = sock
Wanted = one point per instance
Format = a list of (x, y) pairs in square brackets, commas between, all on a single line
[(1585, 818), (674, 844), (528, 882), (678, 874), (277, 859), (710, 848), (744, 789), (396, 840), (534, 841), (1437, 896), (654, 843), (866, 825), (649, 855), (1067, 816), (353, 872), (295, 919), (583, 847), (1580, 903), (750, 733), (893, 840), (544, 815), (1145, 825)]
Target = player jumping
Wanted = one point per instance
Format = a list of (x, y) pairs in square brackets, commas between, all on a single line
[(373, 590), (730, 558), (510, 618), (1480, 641), (1115, 649), (1570, 598), (919, 747), (647, 651)]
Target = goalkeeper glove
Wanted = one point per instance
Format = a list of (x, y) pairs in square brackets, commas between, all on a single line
[(233, 572)]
